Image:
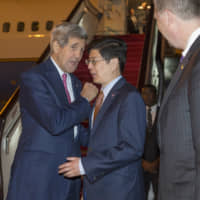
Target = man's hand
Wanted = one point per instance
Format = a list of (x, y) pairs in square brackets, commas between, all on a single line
[(89, 91), (151, 167), (70, 169)]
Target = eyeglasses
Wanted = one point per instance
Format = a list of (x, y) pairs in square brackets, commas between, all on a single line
[(92, 61)]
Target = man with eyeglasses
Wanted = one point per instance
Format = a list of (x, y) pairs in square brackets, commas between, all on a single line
[(112, 167)]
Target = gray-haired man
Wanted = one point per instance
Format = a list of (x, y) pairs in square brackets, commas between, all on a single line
[(53, 104), (178, 122)]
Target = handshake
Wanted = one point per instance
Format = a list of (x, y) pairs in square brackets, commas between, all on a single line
[(89, 91)]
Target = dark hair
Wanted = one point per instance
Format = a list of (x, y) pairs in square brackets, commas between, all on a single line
[(110, 48), (151, 87)]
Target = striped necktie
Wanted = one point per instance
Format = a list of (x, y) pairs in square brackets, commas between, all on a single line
[(64, 79), (98, 104)]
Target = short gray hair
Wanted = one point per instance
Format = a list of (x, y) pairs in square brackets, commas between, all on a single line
[(62, 32), (185, 9)]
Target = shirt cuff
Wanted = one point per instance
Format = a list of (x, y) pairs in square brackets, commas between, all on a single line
[(82, 170)]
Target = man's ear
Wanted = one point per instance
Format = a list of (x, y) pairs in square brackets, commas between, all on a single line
[(170, 17), (56, 47), (114, 64)]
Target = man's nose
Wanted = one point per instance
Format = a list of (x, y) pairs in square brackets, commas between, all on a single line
[(90, 65)]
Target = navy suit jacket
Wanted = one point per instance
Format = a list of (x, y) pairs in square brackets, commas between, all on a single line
[(47, 137), (113, 163)]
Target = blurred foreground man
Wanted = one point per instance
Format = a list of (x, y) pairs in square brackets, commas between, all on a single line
[(112, 166), (52, 106), (178, 122)]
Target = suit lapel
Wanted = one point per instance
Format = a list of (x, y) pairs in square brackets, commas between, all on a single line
[(75, 86), (172, 84), (54, 79), (106, 104), (188, 63), (179, 73)]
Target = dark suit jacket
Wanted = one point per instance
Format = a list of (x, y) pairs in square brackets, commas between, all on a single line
[(47, 137), (179, 132), (113, 163)]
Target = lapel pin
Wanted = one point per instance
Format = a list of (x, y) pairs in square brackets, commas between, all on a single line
[(182, 67)]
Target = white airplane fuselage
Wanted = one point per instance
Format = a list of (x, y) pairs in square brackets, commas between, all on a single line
[(29, 44)]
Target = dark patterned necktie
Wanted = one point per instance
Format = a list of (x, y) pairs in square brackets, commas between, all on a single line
[(149, 119), (98, 104)]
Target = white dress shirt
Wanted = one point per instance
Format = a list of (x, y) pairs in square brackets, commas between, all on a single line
[(153, 112), (191, 40)]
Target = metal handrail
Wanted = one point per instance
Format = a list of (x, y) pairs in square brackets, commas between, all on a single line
[(11, 100)]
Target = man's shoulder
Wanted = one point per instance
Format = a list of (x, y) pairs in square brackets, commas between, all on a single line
[(128, 88), (40, 68), (128, 92)]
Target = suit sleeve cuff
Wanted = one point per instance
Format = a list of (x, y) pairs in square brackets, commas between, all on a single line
[(82, 170)]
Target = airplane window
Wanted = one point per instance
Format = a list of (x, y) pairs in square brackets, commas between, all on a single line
[(49, 25), (20, 27), (35, 26), (6, 27)]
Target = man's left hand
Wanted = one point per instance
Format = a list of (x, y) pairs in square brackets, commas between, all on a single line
[(70, 169)]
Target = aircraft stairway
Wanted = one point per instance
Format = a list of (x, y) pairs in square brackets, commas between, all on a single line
[(10, 132)]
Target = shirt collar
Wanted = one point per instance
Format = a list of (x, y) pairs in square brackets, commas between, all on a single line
[(109, 86), (60, 71), (154, 107), (191, 40)]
